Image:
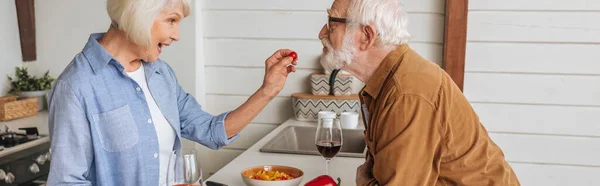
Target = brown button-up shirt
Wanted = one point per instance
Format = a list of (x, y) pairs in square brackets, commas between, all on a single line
[(422, 131)]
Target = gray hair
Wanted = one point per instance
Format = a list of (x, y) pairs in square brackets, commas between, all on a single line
[(136, 17), (388, 16)]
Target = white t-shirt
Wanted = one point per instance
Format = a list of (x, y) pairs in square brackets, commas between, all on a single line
[(164, 131)]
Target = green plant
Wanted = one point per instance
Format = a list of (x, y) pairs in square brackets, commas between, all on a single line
[(24, 82)]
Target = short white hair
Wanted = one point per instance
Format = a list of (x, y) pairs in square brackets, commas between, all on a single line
[(388, 16), (136, 17)]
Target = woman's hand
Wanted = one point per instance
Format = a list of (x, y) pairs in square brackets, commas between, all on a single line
[(277, 68)]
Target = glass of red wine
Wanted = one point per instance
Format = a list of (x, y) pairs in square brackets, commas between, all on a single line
[(328, 139)]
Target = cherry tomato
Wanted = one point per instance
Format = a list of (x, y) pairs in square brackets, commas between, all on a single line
[(294, 55)]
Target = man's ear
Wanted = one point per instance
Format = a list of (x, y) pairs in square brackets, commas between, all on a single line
[(369, 36)]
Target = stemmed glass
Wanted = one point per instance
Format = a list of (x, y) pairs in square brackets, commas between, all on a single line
[(328, 139)]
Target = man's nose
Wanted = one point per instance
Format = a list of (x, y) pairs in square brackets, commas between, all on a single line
[(324, 32)]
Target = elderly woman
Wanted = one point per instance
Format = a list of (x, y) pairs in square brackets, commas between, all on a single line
[(117, 112)]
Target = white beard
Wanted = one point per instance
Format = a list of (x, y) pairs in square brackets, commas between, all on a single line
[(337, 59)]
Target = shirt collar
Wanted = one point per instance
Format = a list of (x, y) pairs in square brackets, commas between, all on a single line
[(375, 84), (101, 57), (93, 50), (152, 67)]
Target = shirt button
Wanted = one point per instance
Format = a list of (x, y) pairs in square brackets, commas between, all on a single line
[(155, 155), (138, 89), (149, 120)]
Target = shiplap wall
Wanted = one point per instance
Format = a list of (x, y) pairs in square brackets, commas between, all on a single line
[(64, 26), (533, 76), (10, 47), (239, 35)]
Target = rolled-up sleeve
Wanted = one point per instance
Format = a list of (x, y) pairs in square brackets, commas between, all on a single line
[(71, 140), (200, 126)]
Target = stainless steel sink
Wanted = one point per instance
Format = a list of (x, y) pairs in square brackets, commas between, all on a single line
[(301, 140)]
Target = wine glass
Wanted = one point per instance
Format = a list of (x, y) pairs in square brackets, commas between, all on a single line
[(186, 170), (328, 139)]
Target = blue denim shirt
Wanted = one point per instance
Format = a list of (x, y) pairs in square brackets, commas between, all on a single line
[(101, 127)]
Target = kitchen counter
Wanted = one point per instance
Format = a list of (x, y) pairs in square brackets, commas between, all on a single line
[(313, 166), (40, 121)]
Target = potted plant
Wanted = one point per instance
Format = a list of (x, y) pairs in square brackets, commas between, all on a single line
[(24, 85)]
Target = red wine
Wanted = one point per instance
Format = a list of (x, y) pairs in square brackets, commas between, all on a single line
[(329, 149)]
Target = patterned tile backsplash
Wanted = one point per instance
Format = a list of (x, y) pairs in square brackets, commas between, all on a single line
[(306, 106), (342, 87)]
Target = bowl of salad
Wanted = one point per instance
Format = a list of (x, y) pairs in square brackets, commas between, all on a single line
[(272, 175)]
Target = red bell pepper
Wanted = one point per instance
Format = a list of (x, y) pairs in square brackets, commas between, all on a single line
[(323, 180)]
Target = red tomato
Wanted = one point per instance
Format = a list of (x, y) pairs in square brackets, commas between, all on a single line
[(294, 55)]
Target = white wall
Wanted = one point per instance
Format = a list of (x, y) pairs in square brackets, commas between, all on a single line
[(64, 26), (533, 76), (10, 47), (239, 35)]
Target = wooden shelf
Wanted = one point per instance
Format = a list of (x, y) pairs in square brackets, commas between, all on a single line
[(311, 96), (320, 74)]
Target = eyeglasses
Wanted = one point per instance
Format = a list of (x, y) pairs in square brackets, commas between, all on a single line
[(334, 19)]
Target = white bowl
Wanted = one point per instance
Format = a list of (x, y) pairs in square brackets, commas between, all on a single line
[(294, 172)]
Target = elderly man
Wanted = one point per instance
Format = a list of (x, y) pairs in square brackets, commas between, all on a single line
[(420, 129)]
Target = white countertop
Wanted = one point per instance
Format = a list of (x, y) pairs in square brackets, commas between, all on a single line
[(312, 166), (23, 146)]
